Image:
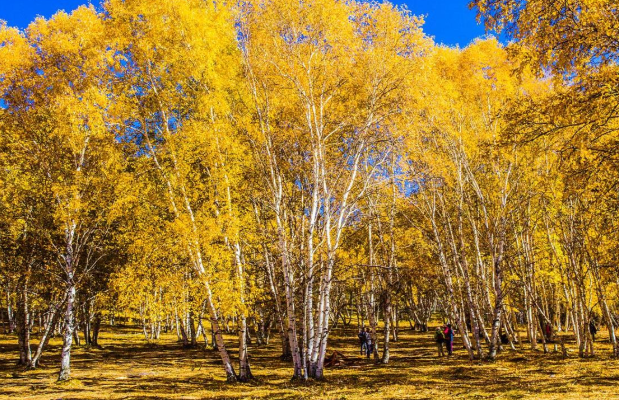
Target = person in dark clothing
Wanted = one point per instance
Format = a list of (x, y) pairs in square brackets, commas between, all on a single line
[(593, 329), (449, 339), (363, 341), (503, 336), (369, 342), (439, 338)]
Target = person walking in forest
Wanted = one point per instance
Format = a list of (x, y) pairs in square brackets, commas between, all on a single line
[(548, 332), (439, 338), (363, 342), (369, 343), (503, 336), (449, 339), (592, 329)]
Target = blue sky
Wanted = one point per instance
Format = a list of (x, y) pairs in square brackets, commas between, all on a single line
[(448, 21)]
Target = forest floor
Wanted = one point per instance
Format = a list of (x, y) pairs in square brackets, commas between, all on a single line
[(126, 367)]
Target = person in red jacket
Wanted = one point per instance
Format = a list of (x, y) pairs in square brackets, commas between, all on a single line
[(548, 332), (449, 339)]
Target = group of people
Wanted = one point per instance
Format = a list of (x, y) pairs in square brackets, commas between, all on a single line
[(550, 336), (444, 335), (366, 342)]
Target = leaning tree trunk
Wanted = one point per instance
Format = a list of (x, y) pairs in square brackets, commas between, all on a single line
[(218, 336), (49, 327), (183, 332), (610, 323), (286, 351)]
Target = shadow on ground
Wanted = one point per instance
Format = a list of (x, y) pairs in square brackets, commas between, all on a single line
[(126, 367)]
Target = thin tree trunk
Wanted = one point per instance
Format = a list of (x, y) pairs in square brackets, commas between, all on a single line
[(9, 312), (69, 326), (23, 323), (192, 329), (183, 332), (95, 329), (387, 318), (498, 303)]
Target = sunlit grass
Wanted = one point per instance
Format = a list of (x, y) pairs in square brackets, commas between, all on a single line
[(129, 368)]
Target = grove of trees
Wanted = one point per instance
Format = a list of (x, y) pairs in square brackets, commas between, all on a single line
[(281, 168)]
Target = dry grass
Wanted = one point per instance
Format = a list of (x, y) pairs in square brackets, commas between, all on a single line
[(128, 368)]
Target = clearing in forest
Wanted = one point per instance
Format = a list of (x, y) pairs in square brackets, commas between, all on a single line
[(126, 367)]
